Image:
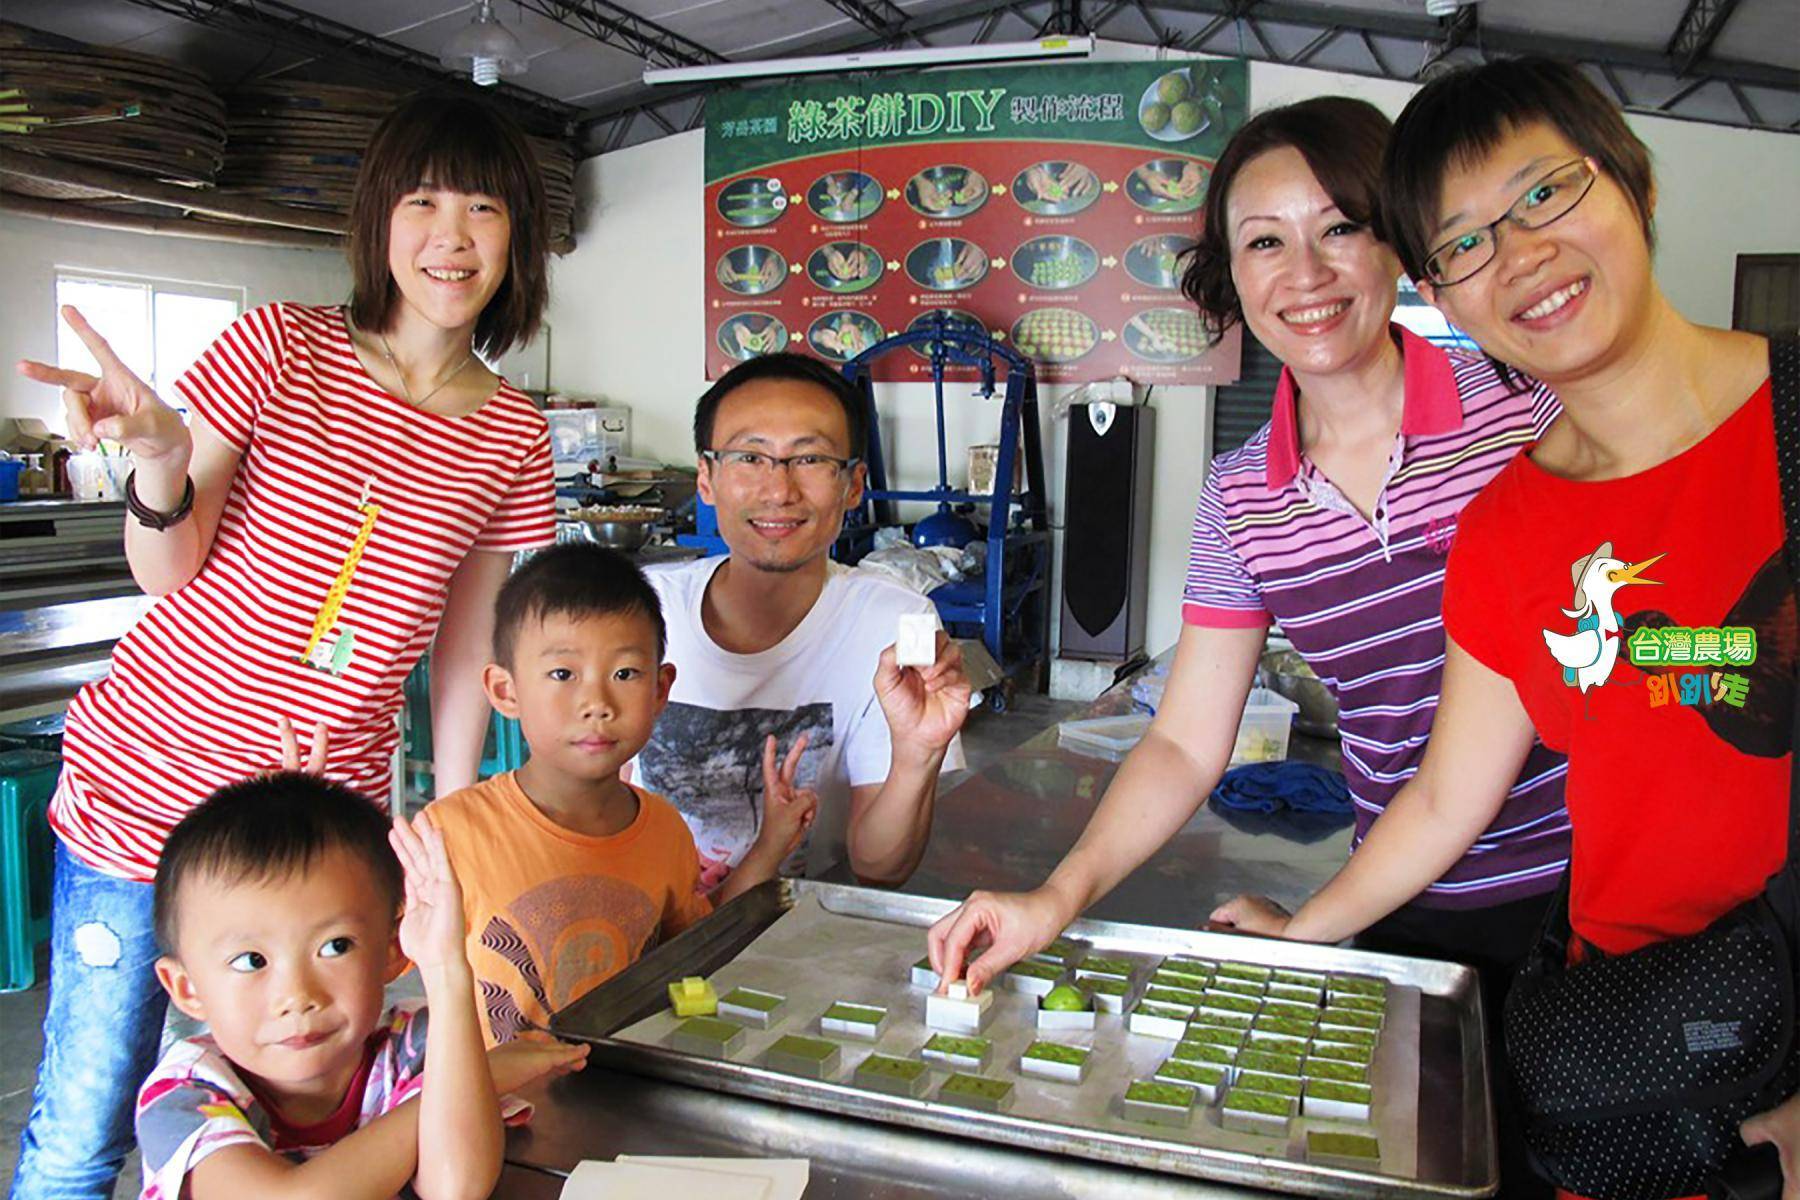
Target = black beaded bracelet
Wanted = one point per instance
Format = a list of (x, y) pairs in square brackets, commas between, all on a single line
[(148, 517)]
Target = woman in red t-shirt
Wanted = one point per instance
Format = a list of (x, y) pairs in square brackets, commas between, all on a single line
[(1620, 588), (353, 482)]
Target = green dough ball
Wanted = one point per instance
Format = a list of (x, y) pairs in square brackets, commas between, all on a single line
[(1174, 87), (1186, 116), (1156, 116), (1064, 998)]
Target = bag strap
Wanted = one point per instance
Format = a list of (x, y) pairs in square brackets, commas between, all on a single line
[(1784, 387)]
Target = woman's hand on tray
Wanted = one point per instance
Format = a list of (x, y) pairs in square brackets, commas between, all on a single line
[(1251, 914), (1004, 926)]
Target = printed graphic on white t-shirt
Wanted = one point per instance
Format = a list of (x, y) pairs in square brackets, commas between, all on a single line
[(713, 758)]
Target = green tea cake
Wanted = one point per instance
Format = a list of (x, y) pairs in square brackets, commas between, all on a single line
[(1247, 1110), (966, 1053), (977, 1091), (865, 1021), (1112, 968), (1155, 1102), (1341, 1072), (748, 1006), (1053, 1060), (1208, 1080), (815, 1058), (1332, 1100), (1334, 1149), (1158, 1020), (708, 1037), (895, 1076), (1109, 994), (1033, 978)]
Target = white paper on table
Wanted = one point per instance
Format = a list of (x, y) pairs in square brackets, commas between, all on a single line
[(595, 1180), (787, 1177)]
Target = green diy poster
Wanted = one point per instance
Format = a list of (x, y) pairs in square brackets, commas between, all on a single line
[(1049, 205)]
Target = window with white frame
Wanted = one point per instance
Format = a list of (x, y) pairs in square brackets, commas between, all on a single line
[(157, 327)]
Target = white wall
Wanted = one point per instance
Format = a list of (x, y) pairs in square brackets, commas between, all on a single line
[(33, 250), (627, 305)]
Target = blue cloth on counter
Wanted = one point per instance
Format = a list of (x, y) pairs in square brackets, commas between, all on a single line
[(1271, 786)]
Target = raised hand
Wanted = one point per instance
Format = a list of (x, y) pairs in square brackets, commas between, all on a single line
[(788, 810), (431, 925), (115, 405), (925, 707)]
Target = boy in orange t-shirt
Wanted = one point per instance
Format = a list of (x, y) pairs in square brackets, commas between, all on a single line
[(569, 873)]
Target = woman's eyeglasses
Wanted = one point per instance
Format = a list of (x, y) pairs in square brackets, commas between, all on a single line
[(1543, 202)]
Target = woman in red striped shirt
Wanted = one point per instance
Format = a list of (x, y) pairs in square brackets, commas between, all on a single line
[(350, 489)]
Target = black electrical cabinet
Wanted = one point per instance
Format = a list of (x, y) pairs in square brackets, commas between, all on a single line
[(1106, 531)]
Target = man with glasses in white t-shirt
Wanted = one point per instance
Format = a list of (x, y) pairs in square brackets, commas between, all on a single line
[(786, 680)]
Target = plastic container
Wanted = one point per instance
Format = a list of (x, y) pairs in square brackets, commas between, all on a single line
[(1262, 734), (1110, 738), (10, 470), (1264, 730), (94, 476)]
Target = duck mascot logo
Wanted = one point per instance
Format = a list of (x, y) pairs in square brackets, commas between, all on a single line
[(1589, 654)]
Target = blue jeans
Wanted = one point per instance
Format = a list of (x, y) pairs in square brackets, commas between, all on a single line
[(101, 1035)]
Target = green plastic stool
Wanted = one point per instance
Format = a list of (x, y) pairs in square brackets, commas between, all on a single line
[(27, 777), (503, 750)]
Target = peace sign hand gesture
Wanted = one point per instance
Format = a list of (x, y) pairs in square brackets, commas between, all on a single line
[(116, 405), (788, 808)]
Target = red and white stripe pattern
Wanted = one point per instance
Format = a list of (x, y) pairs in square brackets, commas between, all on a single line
[(197, 686)]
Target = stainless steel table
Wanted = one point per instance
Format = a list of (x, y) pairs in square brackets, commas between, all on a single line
[(47, 654), (1003, 827)]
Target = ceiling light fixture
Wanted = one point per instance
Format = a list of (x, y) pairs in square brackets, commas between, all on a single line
[(485, 48), (878, 60)]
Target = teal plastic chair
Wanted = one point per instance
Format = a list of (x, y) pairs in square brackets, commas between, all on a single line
[(504, 749), (27, 853)]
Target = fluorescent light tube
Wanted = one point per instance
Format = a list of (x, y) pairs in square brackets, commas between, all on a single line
[(877, 60)]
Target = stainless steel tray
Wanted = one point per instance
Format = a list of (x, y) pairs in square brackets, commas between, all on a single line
[(1452, 1153)]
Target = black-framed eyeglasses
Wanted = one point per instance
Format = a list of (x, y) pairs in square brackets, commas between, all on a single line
[(754, 464), (1551, 197)]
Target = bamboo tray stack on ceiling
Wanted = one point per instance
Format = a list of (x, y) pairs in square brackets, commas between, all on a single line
[(67, 100), (300, 144)]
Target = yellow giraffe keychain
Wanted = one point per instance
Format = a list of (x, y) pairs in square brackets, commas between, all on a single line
[(332, 657)]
